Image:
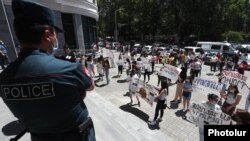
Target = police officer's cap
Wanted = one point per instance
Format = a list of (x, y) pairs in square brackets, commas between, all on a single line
[(28, 14)]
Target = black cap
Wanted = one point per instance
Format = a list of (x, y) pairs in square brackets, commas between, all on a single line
[(29, 14)]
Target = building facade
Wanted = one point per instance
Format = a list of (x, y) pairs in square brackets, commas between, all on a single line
[(77, 18)]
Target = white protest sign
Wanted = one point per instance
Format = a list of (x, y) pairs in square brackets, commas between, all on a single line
[(120, 63), (147, 92), (139, 64), (170, 72), (201, 114), (233, 77), (207, 86)]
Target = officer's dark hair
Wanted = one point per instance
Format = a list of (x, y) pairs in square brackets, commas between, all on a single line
[(30, 34)]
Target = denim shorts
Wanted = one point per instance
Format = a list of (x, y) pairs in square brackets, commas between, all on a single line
[(186, 95)]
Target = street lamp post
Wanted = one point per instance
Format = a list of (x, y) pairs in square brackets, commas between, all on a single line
[(116, 31)]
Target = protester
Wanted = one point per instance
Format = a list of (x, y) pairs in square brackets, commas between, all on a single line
[(111, 57), (160, 102), (106, 68), (179, 86), (187, 90), (51, 105), (212, 105), (242, 67), (133, 86), (99, 67), (128, 66), (68, 55), (213, 63), (197, 67), (90, 67), (232, 99)]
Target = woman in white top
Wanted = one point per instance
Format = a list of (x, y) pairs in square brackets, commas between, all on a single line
[(90, 67), (99, 68), (160, 102), (133, 86), (232, 99)]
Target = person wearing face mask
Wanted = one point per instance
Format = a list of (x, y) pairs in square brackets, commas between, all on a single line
[(232, 99), (45, 93), (186, 92), (212, 105)]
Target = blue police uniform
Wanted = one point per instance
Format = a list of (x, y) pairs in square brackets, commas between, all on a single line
[(46, 98), (43, 92)]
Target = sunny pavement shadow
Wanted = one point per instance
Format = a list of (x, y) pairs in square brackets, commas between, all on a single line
[(174, 105), (12, 128), (140, 114), (116, 76), (122, 81), (126, 94), (102, 85)]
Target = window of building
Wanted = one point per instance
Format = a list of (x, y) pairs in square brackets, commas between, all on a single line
[(89, 31), (69, 32)]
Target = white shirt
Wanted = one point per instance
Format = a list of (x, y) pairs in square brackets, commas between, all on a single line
[(230, 98), (197, 65), (162, 97), (133, 83), (99, 68)]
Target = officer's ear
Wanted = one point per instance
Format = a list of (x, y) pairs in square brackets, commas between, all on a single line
[(48, 35)]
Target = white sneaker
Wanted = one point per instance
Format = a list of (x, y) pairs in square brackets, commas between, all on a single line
[(152, 123)]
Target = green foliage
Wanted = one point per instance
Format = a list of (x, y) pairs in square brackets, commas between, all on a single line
[(207, 19), (233, 36)]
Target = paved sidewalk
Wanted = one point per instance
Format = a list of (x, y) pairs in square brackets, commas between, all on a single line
[(174, 123)]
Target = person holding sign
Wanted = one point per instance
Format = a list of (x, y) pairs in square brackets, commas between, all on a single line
[(133, 86), (187, 89), (232, 99), (212, 105), (179, 86), (160, 102)]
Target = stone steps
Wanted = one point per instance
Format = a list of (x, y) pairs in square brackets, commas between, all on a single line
[(116, 124)]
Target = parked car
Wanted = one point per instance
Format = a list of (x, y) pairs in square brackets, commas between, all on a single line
[(215, 46), (196, 50)]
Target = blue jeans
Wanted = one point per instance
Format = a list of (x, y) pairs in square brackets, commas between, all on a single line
[(107, 75)]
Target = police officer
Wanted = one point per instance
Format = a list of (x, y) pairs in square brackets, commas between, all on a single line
[(43, 92)]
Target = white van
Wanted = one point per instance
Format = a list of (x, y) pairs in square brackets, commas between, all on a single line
[(216, 47)]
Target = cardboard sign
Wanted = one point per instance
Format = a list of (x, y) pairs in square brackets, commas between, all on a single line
[(200, 114), (207, 86), (120, 63), (147, 92), (170, 72), (233, 77)]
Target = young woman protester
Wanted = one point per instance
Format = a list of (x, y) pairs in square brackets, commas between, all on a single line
[(179, 87), (106, 67), (99, 67), (187, 91), (232, 99), (120, 65), (161, 98), (133, 86)]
